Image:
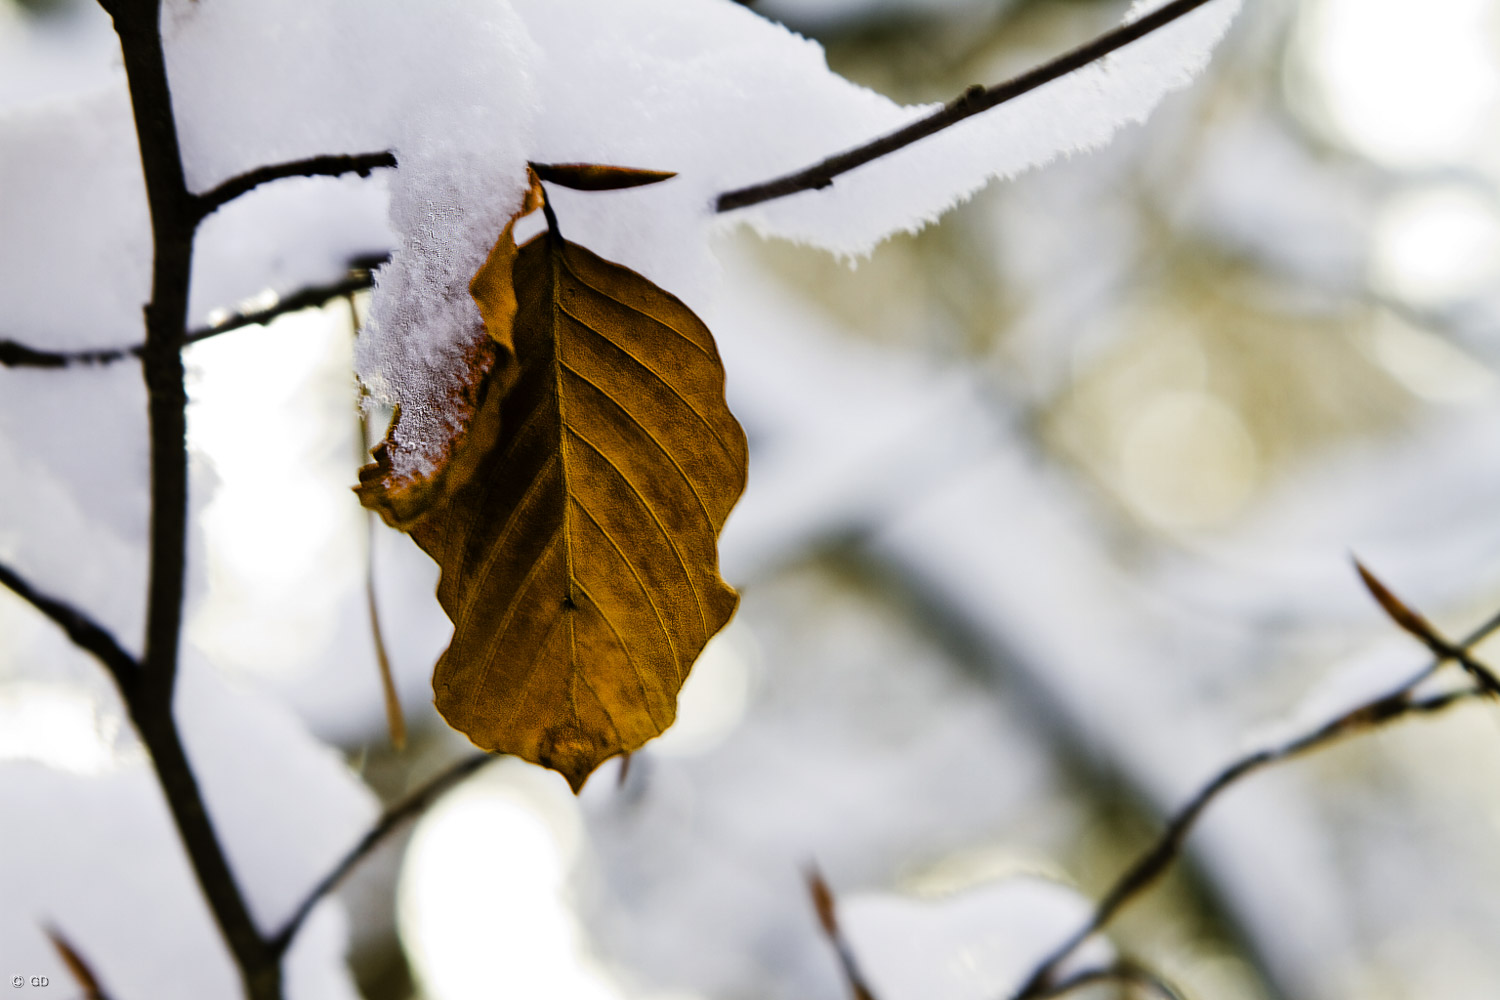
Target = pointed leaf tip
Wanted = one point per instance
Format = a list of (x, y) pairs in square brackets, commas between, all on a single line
[(598, 177)]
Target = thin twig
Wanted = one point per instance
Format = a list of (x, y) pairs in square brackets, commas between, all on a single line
[(77, 965), (826, 908), (86, 633), (15, 355), (395, 720), (1418, 626), (317, 166), (1395, 704), (408, 808), (971, 102)]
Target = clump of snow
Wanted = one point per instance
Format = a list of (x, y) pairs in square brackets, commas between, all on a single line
[(727, 98), (448, 92), (975, 945), (75, 263)]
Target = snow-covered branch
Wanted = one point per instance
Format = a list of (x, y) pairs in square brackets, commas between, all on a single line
[(971, 102)]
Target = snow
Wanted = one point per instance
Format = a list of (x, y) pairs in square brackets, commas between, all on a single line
[(463, 95), (286, 808), (974, 945)]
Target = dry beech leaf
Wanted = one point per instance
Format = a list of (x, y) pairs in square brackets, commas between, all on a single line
[(597, 177), (576, 520)]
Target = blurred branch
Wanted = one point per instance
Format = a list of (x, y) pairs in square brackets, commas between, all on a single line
[(409, 808), (317, 166), (78, 967), (1397, 704), (1418, 626), (971, 102), (828, 919), (1123, 972), (14, 355), (85, 633)]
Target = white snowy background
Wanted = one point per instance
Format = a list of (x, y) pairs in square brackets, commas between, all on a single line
[(1050, 507)]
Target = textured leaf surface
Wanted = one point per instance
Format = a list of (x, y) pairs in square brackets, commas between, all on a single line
[(577, 527)]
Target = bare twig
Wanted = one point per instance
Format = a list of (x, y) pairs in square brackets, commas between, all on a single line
[(395, 720), (318, 166), (410, 807), (971, 102), (15, 355), (78, 967), (1419, 627), (828, 918), (86, 633), (1396, 704)]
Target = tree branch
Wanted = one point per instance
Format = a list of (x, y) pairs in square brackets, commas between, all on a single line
[(15, 355), (175, 214), (408, 808), (1150, 865), (971, 102), (318, 166), (83, 630)]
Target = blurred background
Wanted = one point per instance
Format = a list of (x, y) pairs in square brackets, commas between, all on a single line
[(1050, 516)]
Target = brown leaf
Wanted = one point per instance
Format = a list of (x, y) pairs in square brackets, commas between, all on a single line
[(577, 519), (597, 177)]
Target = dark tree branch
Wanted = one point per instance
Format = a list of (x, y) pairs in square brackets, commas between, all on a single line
[(318, 166), (971, 102), (312, 297), (409, 808), (18, 355), (14, 355), (175, 214), (83, 630), (1397, 704)]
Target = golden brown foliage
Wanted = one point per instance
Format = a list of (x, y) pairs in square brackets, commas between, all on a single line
[(576, 520)]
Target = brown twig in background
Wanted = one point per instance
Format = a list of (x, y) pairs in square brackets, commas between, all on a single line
[(395, 720), (317, 166), (407, 809), (78, 967), (827, 910), (971, 102), (1419, 627), (1167, 848)]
